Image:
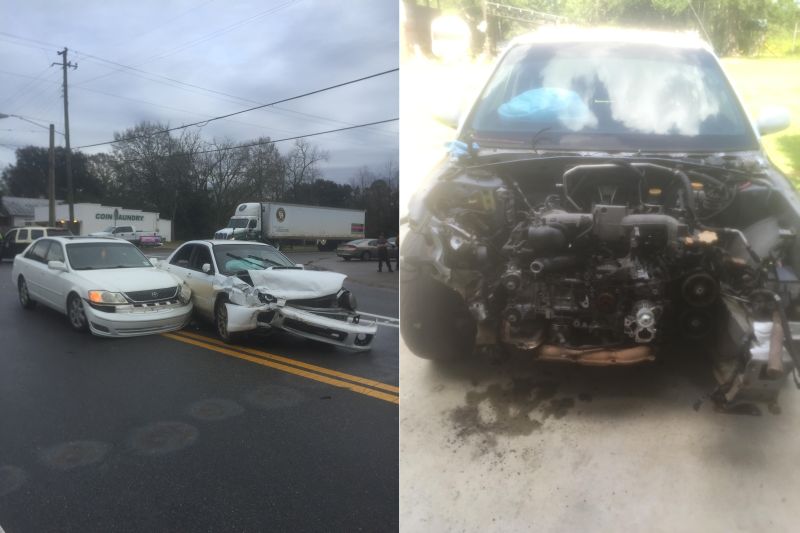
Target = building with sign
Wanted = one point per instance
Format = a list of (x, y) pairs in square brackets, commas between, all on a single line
[(95, 217)]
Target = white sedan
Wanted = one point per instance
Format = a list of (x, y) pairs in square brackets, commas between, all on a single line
[(106, 286), (244, 286)]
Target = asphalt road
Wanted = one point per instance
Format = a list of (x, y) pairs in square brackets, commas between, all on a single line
[(183, 433)]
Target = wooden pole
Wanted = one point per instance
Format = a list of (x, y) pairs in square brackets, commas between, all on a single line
[(51, 179)]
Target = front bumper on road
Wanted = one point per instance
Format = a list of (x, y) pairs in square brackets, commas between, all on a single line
[(303, 323), (138, 322)]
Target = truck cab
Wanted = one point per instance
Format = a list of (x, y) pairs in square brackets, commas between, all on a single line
[(245, 224)]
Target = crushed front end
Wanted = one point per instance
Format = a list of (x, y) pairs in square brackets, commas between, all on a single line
[(610, 261), (330, 318)]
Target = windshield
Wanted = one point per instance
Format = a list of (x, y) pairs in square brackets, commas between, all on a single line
[(237, 223), (233, 258), (101, 255), (609, 96)]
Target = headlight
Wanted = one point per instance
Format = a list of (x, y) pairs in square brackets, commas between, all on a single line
[(184, 294), (106, 297), (347, 300)]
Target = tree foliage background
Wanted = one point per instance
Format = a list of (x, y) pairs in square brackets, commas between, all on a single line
[(198, 183), (733, 26)]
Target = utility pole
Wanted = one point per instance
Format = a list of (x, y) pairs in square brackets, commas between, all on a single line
[(51, 178), (70, 196)]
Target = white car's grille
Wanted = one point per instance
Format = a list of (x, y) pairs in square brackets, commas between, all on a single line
[(152, 295)]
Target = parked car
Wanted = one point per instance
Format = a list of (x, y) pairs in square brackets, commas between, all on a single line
[(17, 239), (106, 286), (245, 286), (365, 249), (130, 234), (607, 201)]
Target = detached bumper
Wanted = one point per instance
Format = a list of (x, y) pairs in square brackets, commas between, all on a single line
[(306, 324), (137, 323)]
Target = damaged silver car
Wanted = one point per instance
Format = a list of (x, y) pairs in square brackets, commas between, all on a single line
[(247, 286), (607, 200)]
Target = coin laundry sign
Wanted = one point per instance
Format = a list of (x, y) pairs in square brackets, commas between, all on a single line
[(118, 216)]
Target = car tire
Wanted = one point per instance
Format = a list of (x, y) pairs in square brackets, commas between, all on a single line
[(434, 320), (25, 299), (221, 321), (366, 256), (347, 258), (75, 313)]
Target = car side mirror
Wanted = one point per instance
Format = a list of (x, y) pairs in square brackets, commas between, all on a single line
[(300, 265), (153, 261), (447, 117), (57, 265), (206, 268), (773, 119)]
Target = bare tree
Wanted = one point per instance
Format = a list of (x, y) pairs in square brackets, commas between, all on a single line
[(266, 171), (224, 170), (301, 166)]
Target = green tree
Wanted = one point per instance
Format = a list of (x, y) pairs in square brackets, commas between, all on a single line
[(28, 175)]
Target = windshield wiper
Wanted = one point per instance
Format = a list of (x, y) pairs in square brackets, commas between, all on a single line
[(245, 260)]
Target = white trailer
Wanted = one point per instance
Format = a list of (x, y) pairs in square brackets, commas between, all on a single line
[(277, 221)]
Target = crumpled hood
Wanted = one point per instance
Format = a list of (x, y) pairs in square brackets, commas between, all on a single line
[(295, 284), (128, 279)]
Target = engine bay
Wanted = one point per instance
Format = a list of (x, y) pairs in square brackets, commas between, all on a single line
[(604, 263)]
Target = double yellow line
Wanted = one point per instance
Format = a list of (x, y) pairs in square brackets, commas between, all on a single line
[(367, 387)]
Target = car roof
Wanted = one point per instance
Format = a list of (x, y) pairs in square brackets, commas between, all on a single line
[(40, 227), (574, 34), (222, 242), (76, 238)]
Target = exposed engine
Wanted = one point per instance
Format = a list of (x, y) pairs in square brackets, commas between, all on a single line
[(598, 265)]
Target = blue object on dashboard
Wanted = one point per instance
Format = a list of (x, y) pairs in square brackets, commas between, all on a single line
[(546, 104)]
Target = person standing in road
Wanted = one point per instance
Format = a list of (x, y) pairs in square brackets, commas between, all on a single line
[(383, 253)]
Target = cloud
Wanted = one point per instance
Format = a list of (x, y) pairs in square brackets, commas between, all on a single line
[(255, 51)]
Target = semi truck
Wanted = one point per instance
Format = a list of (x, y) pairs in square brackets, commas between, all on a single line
[(275, 222)]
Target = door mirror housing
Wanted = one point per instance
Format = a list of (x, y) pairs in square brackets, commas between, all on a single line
[(448, 117), (153, 261), (206, 268), (57, 265), (773, 119), (300, 266)]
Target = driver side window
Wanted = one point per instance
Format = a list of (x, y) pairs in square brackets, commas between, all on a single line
[(201, 256), (182, 256)]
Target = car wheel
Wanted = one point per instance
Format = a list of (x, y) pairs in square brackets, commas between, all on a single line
[(77, 318), (24, 296), (434, 320), (347, 258), (366, 256), (221, 321)]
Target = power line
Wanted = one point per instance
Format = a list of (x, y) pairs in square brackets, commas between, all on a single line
[(204, 122), (207, 37), (170, 82), (146, 102), (264, 143), (166, 80)]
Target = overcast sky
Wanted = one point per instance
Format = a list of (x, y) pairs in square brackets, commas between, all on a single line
[(255, 51)]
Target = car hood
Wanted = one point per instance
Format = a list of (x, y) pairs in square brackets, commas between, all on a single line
[(128, 279), (294, 284)]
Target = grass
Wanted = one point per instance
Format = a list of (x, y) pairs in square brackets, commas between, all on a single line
[(765, 82)]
